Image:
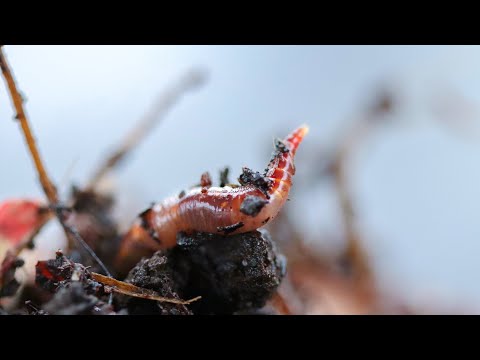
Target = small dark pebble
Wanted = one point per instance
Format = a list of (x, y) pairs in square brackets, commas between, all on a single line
[(232, 273), (224, 176), (280, 147), (250, 177)]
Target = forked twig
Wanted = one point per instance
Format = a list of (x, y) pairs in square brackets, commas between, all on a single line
[(191, 80)]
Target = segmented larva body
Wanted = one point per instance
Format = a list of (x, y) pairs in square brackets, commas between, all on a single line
[(224, 210)]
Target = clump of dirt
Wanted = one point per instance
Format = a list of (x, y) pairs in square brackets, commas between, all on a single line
[(232, 274), (76, 293), (154, 274), (250, 177)]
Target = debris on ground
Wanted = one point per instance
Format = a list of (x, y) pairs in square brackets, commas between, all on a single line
[(231, 274)]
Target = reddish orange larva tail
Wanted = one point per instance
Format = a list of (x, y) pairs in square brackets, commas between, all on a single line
[(296, 137)]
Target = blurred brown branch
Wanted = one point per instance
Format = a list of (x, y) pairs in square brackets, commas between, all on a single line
[(355, 254), (189, 81)]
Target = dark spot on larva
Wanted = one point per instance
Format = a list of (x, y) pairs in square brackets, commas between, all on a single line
[(266, 220), (230, 228), (144, 223), (252, 205), (182, 194), (204, 190), (144, 217), (261, 182), (154, 236), (205, 180)]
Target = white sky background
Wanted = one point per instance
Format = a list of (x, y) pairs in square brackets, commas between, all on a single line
[(415, 181)]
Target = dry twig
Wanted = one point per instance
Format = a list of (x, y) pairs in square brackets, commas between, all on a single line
[(47, 185), (135, 291)]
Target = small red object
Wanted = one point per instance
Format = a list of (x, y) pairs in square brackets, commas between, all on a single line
[(19, 218)]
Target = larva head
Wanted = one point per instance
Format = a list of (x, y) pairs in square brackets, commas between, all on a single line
[(295, 138)]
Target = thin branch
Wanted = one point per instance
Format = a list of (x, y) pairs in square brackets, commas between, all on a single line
[(47, 184), (191, 80)]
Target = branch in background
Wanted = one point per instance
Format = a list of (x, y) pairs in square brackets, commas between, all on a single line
[(191, 80), (355, 254)]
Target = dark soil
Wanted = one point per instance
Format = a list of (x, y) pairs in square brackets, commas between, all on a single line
[(232, 274), (154, 274)]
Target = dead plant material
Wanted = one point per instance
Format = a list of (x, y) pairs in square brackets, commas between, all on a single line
[(132, 290)]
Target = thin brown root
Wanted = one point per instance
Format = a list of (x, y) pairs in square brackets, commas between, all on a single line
[(135, 291)]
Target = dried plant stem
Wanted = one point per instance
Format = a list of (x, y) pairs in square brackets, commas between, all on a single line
[(153, 117), (47, 185), (135, 291)]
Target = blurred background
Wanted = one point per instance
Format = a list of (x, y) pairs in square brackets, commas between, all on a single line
[(404, 120)]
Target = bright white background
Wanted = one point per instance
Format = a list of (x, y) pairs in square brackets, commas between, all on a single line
[(416, 181)]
